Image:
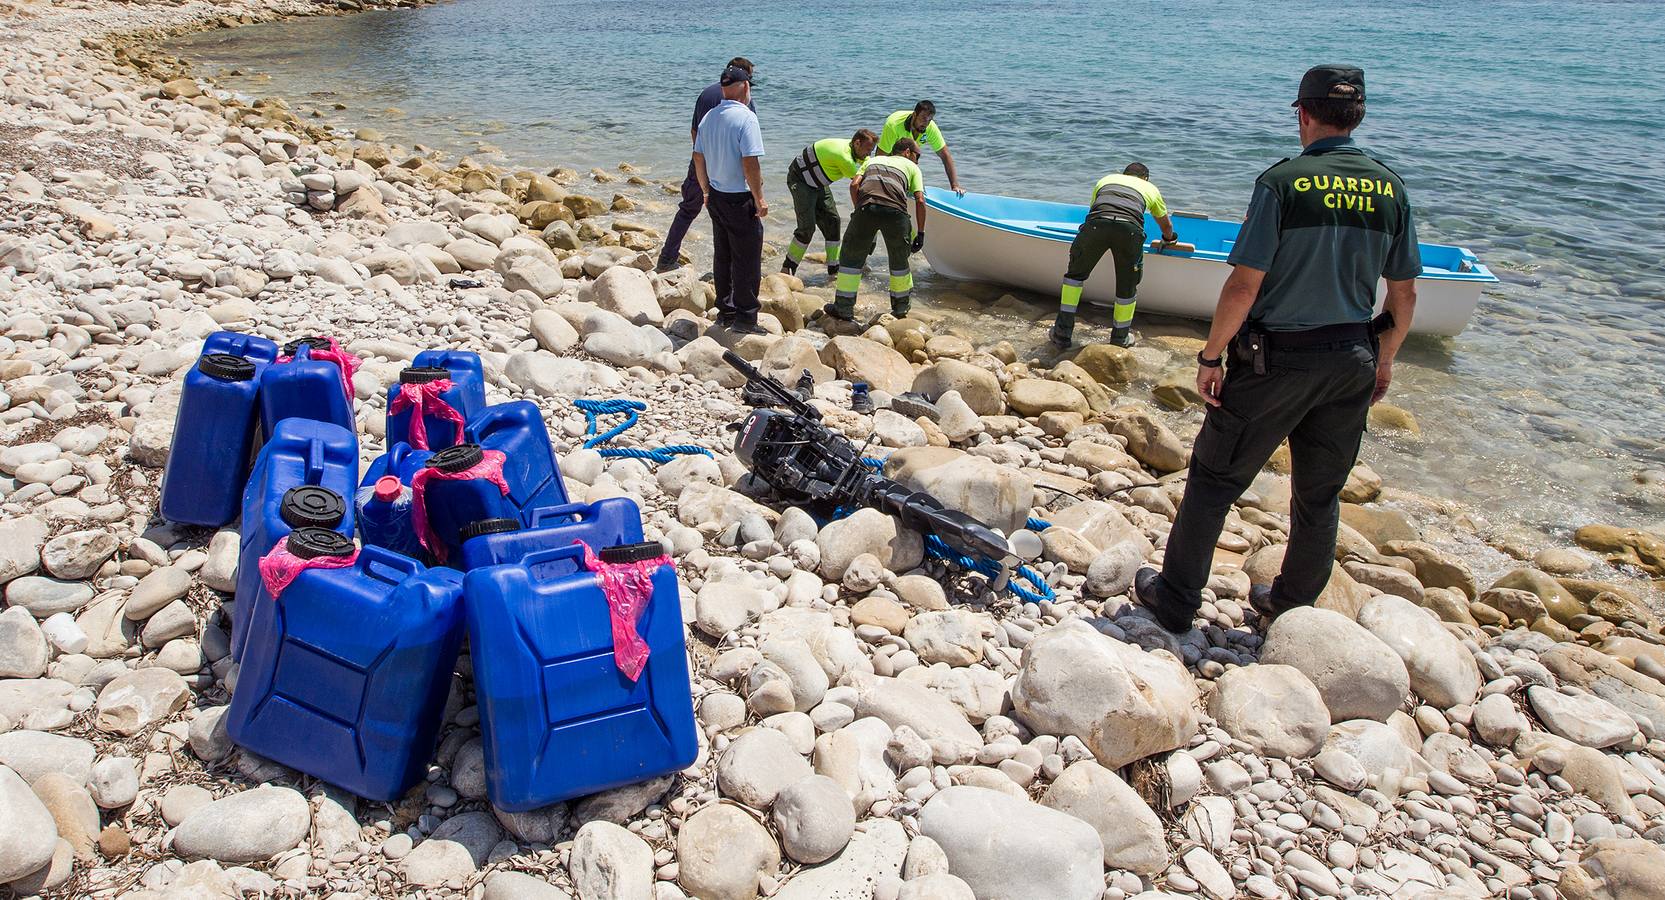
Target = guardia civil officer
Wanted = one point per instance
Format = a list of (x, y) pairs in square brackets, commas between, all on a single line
[(1293, 352)]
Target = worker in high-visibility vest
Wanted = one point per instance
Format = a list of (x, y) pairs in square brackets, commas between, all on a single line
[(920, 126), (809, 179), (1115, 225), (881, 193)]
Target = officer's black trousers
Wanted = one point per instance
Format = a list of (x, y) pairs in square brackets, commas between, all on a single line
[(1319, 401)]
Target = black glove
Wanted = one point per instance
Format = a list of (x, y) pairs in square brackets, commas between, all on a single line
[(919, 241)]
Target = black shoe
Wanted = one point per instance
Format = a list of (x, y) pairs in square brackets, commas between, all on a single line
[(915, 405), (832, 271), (1061, 337), (724, 320), (755, 396), (746, 327), (832, 311), (806, 385), (789, 266), (901, 311), (1260, 600), (1121, 337), (1147, 589), (664, 266)]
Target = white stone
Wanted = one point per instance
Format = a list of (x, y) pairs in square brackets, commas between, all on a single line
[(722, 852), (1358, 675), (814, 818), (608, 862), (1007, 847), (1130, 830), (1582, 718), (758, 765), (1442, 670), (28, 834), (245, 827), (1274, 709)]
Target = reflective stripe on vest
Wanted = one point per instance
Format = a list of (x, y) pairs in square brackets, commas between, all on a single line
[(810, 165), (885, 186), (1120, 202)]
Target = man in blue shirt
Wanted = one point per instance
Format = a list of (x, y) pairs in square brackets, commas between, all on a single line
[(728, 151), (692, 200)]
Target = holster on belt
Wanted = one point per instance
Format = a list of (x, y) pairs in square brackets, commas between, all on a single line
[(1251, 343)]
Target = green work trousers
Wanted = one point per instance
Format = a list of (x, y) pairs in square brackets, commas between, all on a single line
[(814, 209), (866, 225)]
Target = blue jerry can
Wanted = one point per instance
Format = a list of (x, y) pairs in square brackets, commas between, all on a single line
[(451, 503), (304, 388), (345, 673), (302, 478), (384, 501), (517, 429), (213, 432), (557, 717), (467, 395), (606, 523)]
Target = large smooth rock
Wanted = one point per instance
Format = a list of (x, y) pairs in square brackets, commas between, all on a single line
[(859, 359), (1582, 718), (854, 757), (933, 717), (1435, 567), (77, 554), (1149, 441), (548, 375), (608, 862), (977, 386), (1009, 849), (28, 834), (435, 862), (867, 531), (628, 292), (245, 827), (1377, 747), (1616, 869), (873, 855), (1442, 670), (1132, 834), (1274, 709), (72, 809), (1635, 693), (1108, 364), (721, 853), (135, 700), (1103, 525), (952, 636), (1358, 676), (758, 765), (520, 886), (21, 538), (45, 597), (1341, 593), (23, 650), (998, 496), (1125, 704), (32, 754), (814, 818), (1034, 396)]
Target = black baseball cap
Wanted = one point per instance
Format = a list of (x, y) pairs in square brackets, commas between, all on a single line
[(734, 74), (1331, 83)]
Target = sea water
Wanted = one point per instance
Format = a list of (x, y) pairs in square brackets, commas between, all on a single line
[(1529, 132)]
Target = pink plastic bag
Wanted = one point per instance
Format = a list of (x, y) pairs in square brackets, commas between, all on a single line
[(280, 567), (345, 363), (490, 468), (424, 400), (628, 588)]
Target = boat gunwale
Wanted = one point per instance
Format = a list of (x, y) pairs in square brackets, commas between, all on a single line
[(936, 198)]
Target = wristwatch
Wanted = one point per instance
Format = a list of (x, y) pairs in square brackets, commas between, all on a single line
[(1207, 363)]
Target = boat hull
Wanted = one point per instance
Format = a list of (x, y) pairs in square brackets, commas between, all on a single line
[(970, 247)]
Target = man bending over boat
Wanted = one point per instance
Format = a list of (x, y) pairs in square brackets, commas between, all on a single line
[(920, 127), (880, 193), (1306, 361), (810, 179), (1115, 223)]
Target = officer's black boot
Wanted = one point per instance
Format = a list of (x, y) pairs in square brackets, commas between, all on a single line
[(1063, 330), (789, 266), (1122, 337), (1152, 594)]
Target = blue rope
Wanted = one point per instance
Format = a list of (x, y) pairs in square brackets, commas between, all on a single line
[(1035, 524), (632, 410), (936, 548)]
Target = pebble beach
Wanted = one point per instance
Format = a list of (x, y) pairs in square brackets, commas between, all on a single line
[(1468, 712)]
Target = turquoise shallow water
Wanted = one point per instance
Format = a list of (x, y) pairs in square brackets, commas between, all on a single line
[(1527, 131)]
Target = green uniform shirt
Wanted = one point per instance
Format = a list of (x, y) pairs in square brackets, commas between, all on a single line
[(826, 161), (890, 181), (1325, 227), (1150, 199), (896, 128)]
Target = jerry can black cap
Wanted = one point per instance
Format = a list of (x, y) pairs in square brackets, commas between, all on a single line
[(456, 458), (312, 506), (423, 374), (629, 553), (311, 343), (226, 367), (311, 543), (487, 526)]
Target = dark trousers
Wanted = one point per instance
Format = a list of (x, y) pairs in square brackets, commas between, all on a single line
[(1319, 401), (867, 225), (737, 254), (686, 212), (813, 208)]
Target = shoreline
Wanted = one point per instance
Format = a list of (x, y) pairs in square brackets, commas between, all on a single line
[(154, 212)]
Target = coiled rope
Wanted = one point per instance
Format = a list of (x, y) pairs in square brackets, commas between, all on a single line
[(631, 410)]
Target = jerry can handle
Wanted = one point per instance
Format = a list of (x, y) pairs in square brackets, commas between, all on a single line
[(551, 554), (581, 511), (387, 565)]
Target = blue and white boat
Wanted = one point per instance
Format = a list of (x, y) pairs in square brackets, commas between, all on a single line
[(1025, 244)]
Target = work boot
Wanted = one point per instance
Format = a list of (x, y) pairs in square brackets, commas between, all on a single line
[(1148, 590), (1121, 337), (806, 385), (755, 396), (1063, 331), (832, 271), (789, 266), (746, 326), (724, 320), (665, 266), (901, 310), (834, 311), (860, 400)]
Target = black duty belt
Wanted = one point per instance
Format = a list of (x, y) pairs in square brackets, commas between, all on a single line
[(1328, 337)]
